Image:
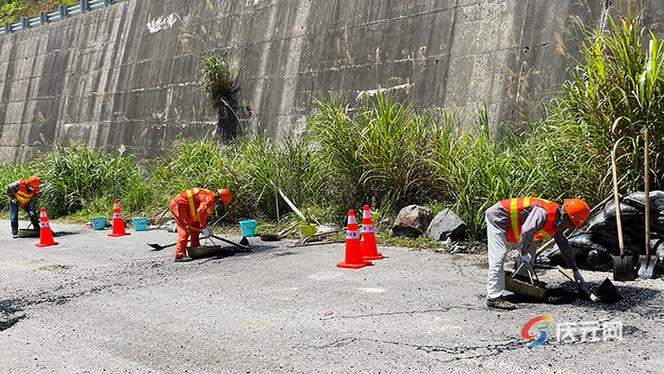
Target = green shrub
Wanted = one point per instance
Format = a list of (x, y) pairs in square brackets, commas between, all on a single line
[(615, 91), (378, 155), (82, 177), (12, 10), (247, 167)]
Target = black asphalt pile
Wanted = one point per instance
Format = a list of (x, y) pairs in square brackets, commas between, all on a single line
[(596, 243)]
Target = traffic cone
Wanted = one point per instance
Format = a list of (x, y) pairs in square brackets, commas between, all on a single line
[(353, 247), (118, 223), (45, 233), (369, 248)]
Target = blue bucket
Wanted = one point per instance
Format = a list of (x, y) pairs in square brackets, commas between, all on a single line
[(140, 223), (98, 223), (248, 227)]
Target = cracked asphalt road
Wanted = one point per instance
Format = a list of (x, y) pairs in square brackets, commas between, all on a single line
[(96, 304)]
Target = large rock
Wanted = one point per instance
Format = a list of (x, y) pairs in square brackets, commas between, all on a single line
[(445, 225), (412, 221)]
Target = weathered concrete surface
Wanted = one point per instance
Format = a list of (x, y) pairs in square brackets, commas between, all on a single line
[(125, 77), (96, 303)]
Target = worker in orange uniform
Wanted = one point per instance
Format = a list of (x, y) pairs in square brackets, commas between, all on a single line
[(520, 221), (23, 193), (191, 209)]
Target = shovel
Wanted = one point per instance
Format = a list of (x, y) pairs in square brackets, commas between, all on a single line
[(606, 293), (622, 266), (239, 245), (647, 262), (158, 247)]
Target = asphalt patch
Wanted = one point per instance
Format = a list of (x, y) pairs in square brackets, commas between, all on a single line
[(10, 313)]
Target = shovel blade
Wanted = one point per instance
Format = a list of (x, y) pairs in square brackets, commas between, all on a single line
[(647, 266), (623, 271)]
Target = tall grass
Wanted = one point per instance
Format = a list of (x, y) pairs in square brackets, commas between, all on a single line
[(251, 167), (381, 154), (615, 91), (476, 169), (82, 178)]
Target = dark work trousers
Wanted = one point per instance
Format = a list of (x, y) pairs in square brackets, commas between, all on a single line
[(13, 216)]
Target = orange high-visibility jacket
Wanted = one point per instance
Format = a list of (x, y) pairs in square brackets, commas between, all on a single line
[(513, 208), (23, 196), (200, 203)]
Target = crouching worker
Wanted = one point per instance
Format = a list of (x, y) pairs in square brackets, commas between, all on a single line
[(191, 209), (522, 220), (23, 193)]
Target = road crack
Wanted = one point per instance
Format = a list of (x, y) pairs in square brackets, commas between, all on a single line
[(405, 312)]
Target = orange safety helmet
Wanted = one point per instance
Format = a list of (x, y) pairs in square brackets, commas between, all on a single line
[(577, 210), (225, 195), (33, 182)]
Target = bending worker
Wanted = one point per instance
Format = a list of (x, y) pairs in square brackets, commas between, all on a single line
[(521, 220), (191, 209), (23, 193)]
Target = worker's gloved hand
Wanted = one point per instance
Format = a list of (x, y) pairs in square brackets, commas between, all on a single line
[(14, 201), (526, 258), (578, 277), (205, 232)]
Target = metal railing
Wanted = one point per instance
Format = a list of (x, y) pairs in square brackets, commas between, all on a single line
[(61, 13)]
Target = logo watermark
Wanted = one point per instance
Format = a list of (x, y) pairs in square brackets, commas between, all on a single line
[(538, 329)]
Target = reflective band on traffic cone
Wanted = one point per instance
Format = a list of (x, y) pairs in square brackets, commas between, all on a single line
[(369, 248), (118, 223), (353, 247), (45, 233)]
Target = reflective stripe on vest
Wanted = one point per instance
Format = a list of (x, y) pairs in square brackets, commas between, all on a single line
[(192, 205), (22, 195), (514, 206)]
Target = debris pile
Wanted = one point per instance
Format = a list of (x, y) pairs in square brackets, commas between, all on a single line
[(597, 241)]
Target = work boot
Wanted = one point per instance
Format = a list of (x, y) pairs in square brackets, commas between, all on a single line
[(500, 303), (183, 259)]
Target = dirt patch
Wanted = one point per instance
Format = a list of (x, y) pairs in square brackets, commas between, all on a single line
[(54, 267)]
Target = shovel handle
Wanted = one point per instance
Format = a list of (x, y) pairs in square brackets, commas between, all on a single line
[(616, 199), (583, 287), (550, 242), (646, 188), (222, 239), (230, 242), (565, 273)]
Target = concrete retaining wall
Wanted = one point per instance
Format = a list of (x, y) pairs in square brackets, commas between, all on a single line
[(125, 77)]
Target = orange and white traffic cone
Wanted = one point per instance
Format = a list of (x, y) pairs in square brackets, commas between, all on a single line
[(353, 247), (45, 233), (369, 247), (118, 223)]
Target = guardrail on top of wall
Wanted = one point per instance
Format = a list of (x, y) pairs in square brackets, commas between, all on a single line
[(61, 13)]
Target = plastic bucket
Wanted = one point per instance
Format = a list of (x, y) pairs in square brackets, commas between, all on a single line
[(98, 223), (140, 223), (308, 230), (248, 227)]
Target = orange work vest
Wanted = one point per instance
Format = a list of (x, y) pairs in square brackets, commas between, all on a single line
[(514, 206), (192, 196), (22, 195)]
